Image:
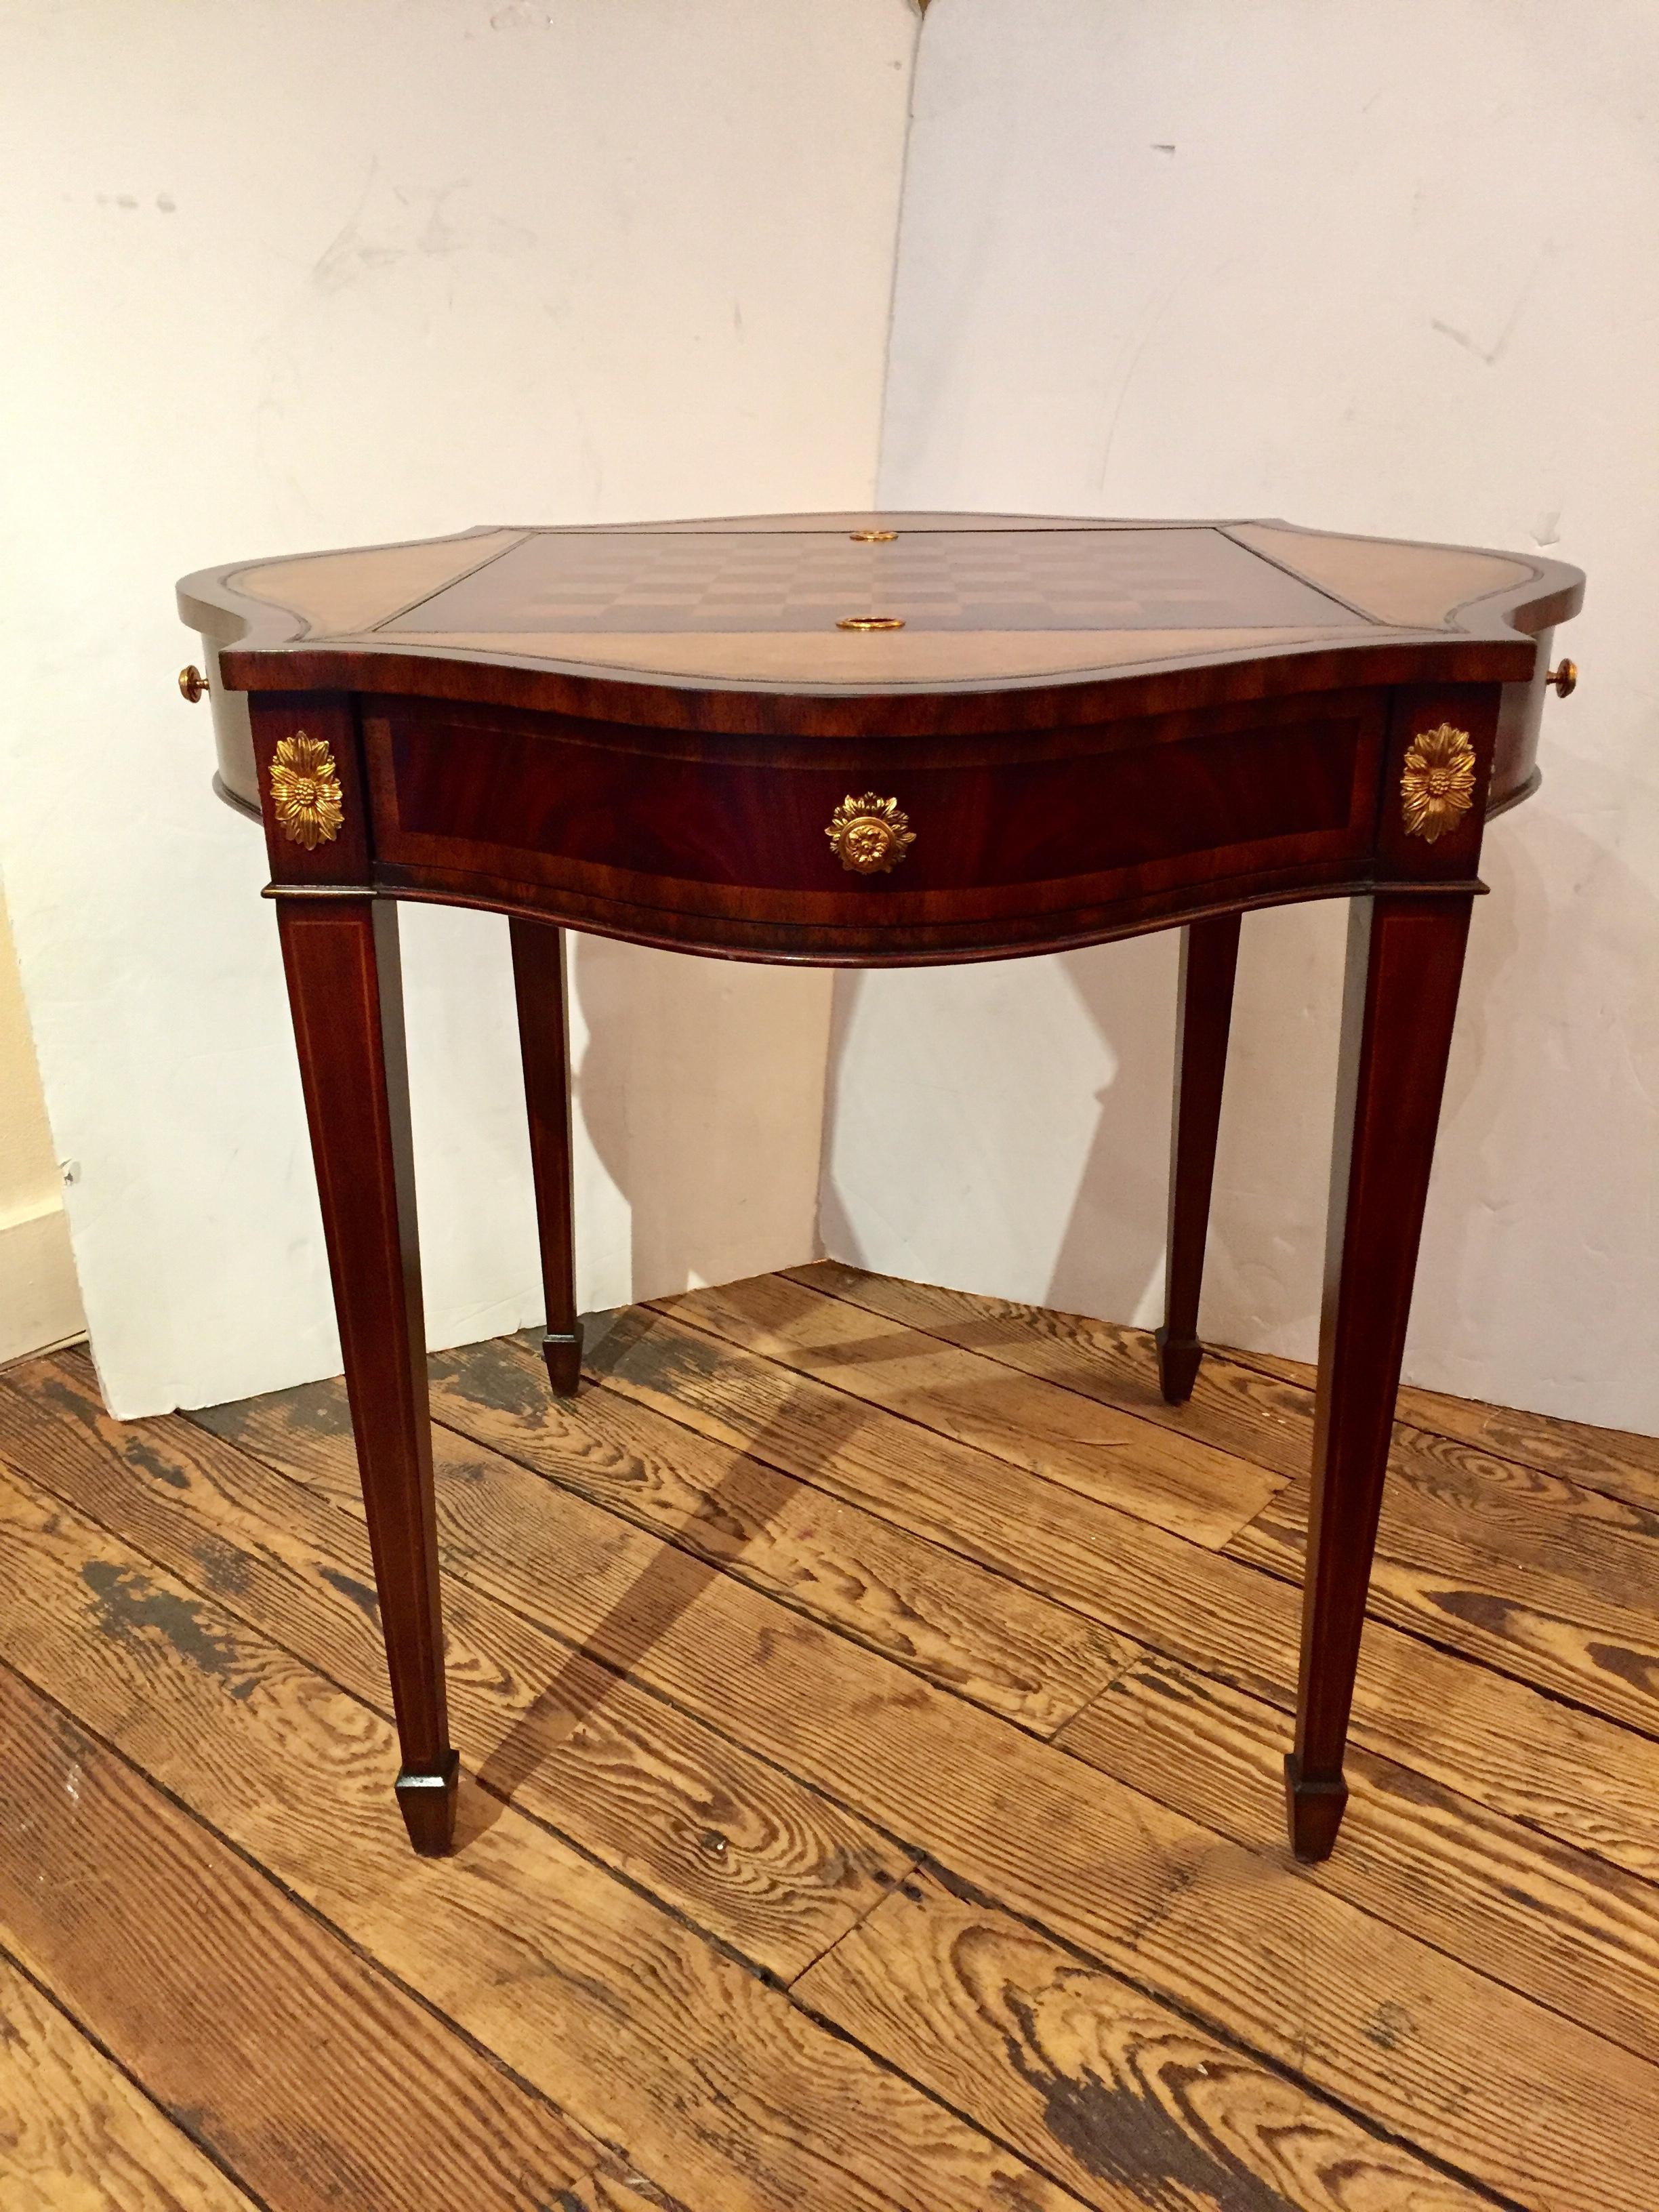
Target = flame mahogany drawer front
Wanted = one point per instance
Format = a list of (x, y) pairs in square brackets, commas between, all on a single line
[(1024, 828), (868, 740)]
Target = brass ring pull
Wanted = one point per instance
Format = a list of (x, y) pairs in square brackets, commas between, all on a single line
[(870, 836), (873, 537), (871, 622), (192, 683), (1565, 679)]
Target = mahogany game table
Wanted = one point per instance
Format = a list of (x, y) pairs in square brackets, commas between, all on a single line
[(874, 740)]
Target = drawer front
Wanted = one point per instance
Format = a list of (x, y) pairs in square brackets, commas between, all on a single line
[(540, 803)]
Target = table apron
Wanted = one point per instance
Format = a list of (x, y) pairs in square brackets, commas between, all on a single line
[(731, 853)]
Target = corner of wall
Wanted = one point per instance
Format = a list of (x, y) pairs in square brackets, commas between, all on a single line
[(39, 1296)]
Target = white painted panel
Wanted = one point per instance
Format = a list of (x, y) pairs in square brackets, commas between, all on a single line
[(1390, 270), (297, 275)]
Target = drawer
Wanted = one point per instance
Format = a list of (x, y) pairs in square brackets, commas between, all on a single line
[(827, 834)]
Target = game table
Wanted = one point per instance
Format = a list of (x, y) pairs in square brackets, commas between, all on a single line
[(874, 740)]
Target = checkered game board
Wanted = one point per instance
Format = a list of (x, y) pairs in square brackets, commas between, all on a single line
[(596, 581)]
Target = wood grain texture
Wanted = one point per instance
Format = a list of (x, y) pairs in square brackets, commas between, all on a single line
[(1256, 1406), (1292, 1971), (647, 2033), (774, 1870), (1558, 1925), (75, 2135), (316, 2080), (1526, 1570), (973, 1632), (1015, 845), (1175, 1482), (1118, 2097), (1556, 1590), (1108, 1969), (1062, 809), (1513, 1749), (291, 625), (1002, 1645), (672, 786), (1233, 1409), (1616, 1460), (1549, 1511)]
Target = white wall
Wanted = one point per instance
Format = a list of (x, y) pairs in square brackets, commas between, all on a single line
[(300, 274), (1390, 269)]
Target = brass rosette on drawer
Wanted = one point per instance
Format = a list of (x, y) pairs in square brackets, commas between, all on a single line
[(870, 836)]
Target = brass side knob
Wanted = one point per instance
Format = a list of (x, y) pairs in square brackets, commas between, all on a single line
[(1565, 679), (192, 683)]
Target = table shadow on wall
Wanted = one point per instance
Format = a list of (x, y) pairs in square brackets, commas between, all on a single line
[(700, 1088)]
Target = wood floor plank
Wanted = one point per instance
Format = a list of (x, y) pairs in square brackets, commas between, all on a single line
[(977, 1633), (1569, 1773), (1107, 1358), (1619, 1462), (1517, 1567), (1112, 1973), (75, 2135), (1174, 1481), (1366, 2014), (316, 2081), (1555, 1602), (1516, 1521), (1234, 1409), (645, 2032), (982, 1635), (1264, 1411), (1556, 1924), (1111, 2093), (777, 1871)]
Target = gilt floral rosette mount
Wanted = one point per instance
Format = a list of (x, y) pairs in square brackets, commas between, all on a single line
[(305, 791), (1437, 785), (870, 836)]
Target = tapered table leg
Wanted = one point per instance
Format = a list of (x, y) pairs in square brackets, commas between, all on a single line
[(1209, 962), (543, 1043), (345, 990), (1405, 962)]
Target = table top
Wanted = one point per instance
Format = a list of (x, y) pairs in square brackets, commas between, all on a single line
[(872, 603), (877, 737)]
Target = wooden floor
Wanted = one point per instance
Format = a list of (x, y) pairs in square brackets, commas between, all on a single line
[(873, 1700)]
